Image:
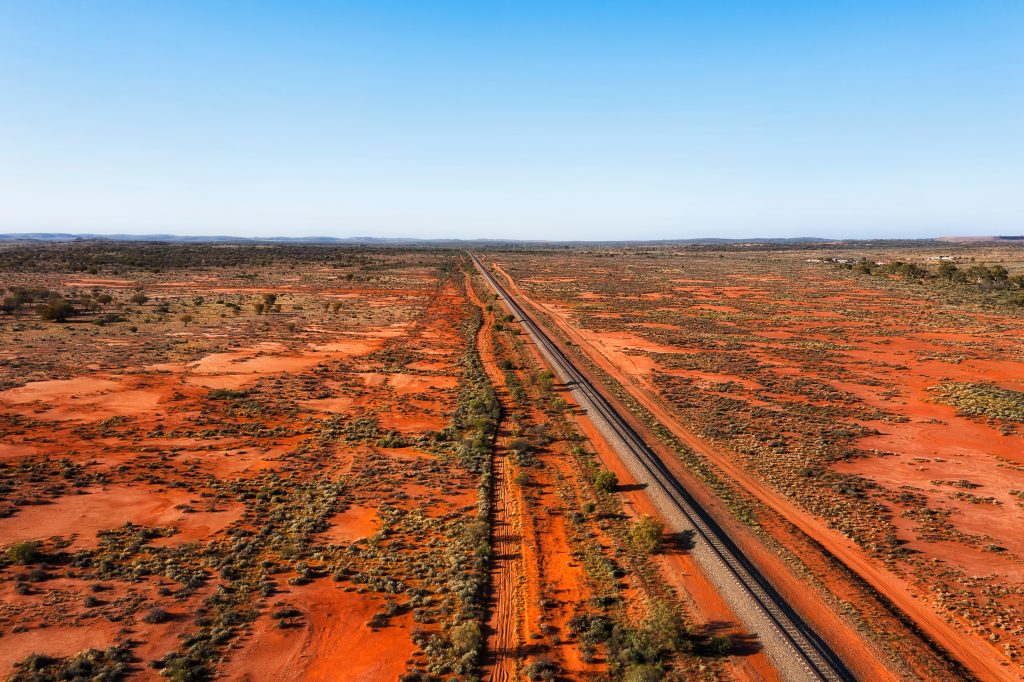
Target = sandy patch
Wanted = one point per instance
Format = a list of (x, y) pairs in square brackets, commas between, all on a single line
[(355, 523), (83, 516), (334, 643), (54, 641)]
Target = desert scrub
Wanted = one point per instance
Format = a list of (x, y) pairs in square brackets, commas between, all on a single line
[(462, 567), (91, 664), (982, 400), (24, 553), (645, 535)]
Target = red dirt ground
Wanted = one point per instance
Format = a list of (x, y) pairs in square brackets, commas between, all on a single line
[(139, 433), (619, 354)]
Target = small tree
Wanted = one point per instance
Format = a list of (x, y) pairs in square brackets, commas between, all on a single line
[(269, 300), (259, 307), (545, 380), (11, 304), (186, 319), (139, 298), (948, 271), (466, 637), (605, 481), (666, 630), (645, 534), (559, 405), (57, 311)]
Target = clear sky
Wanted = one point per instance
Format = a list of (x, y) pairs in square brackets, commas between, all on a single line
[(558, 120)]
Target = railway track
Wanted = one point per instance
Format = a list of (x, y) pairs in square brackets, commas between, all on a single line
[(816, 656)]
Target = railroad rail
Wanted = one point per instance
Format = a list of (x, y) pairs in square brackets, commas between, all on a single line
[(818, 658)]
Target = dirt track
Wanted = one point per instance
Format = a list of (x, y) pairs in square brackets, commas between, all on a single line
[(508, 622)]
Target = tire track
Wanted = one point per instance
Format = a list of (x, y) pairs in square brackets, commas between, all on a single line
[(509, 586)]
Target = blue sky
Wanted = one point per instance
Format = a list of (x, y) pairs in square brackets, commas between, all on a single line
[(568, 120)]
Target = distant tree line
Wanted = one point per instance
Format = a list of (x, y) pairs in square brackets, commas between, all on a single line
[(96, 256), (57, 307), (984, 277)]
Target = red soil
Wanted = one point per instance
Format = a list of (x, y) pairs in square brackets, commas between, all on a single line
[(355, 523), (611, 360), (707, 611), (56, 641), (171, 430), (333, 643), (82, 516)]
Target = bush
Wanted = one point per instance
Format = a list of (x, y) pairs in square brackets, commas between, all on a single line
[(156, 615), (645, 534), (541, 668), (225, 394), (91, 664), (466, 637), (37, 575), (520, 446), (605, 481), (57, 311), (720, 645), (24, 553), (643, 673)]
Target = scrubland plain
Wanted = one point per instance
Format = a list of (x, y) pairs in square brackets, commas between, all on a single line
[(249, 468), (304, 462), (271, 463), (857, 408)]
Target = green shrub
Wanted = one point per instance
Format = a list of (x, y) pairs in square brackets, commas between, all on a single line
[(645, 534), (605, 481), (24, 553), (642, 672), (466, 637), (57, 311), (720, 645)]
